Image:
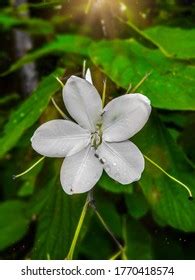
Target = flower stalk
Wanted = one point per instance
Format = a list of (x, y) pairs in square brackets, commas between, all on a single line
[(78, 229)]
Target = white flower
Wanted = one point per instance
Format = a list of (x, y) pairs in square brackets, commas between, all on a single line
[(99, 140)]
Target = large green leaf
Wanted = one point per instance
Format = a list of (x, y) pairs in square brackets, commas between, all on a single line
[(170, 85), (173, 41), (61, 44), (13, 222), (57, 221), (168, 200), (29, 111), (34, 25)]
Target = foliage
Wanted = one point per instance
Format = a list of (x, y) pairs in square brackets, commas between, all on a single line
[(156, 60)]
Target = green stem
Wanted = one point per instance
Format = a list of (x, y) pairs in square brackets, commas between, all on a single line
[(78, 229), (116, 255), (29, 169), (170, 176), (107, 229)]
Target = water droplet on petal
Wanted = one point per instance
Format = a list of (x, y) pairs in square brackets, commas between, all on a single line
[(114, 163)]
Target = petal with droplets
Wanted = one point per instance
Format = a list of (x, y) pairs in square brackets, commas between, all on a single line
[(122, 161), (81, 171), (59, 138)]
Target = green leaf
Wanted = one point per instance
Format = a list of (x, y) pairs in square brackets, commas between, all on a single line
[(109, 184), (33, 25), (173, 41), (170, 85), (137, 204), (62, 44), (168, 200), (57, 222), (106, 206), (29, 112), (7, 21), (13, 222), (137, 241)]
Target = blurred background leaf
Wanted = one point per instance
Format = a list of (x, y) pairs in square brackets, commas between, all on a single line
[(29, 112), (14, 222), (169, 84), (145, 44)]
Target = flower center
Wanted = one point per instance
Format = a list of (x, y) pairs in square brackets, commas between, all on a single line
[(96, 137)]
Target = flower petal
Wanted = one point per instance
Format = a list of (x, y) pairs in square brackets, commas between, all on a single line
[(122, 161), (88, 76), (59, 138), (124, 116), (81, 171), (82, 102)]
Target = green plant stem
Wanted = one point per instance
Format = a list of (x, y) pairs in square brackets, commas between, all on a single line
[(78, 229), (116, 255), (170, 176), (29, 169), (107, 229)]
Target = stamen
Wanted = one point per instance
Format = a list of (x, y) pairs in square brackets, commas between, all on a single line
[(129, 89), (141, 82), (59, 81), (104, 92), (29, 169), (84, 68), (171, 177), (59, 110)]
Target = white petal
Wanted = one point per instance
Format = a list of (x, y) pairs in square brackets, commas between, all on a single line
[(124, 116), (82, 102), (88, 76), (59, 138), (122, 161), (80, 172)]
